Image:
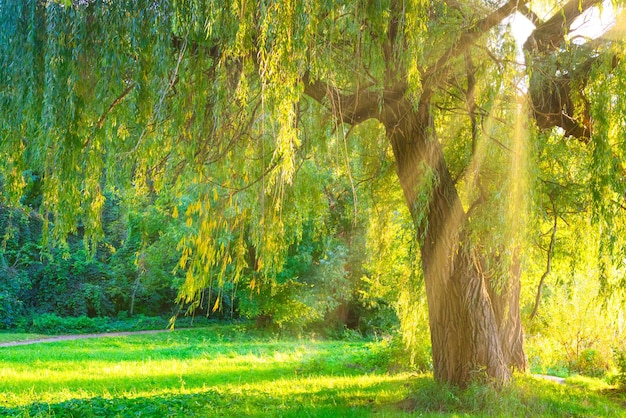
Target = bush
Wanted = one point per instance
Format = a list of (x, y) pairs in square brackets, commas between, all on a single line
[(620, 362), (12, 288), (591, 363), (53, 324)]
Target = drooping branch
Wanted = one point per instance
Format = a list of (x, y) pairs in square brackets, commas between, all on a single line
[(170, 84)]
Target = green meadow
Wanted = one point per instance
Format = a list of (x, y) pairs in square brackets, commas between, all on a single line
[(233, 371)]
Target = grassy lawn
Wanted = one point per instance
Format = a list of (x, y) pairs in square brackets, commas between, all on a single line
[(226, 371)]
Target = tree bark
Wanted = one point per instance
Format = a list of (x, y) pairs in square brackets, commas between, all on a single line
[(506, 306), (475, 331)]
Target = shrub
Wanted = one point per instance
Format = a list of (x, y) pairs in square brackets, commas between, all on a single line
[(12, 288), (620, 362), (591, 363), (54, 324)]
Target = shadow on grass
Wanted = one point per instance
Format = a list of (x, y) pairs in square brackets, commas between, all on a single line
[(320, 382), (407, 396), (195, 377), (135, 371), (354, 401)]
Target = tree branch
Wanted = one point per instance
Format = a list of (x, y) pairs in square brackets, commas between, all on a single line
[(441, 67), (170, 84), (117, 101), (351, 109), (548, 264), (529, 14), (100, 123), (549, 35), (551, 90), (397, 13)]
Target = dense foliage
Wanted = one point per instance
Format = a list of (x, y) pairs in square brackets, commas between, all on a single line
[(322, 284), (70, 282)]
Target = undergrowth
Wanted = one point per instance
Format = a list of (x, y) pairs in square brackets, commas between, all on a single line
[(51, 324)]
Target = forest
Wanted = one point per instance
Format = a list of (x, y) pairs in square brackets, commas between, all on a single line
[(438, 185)]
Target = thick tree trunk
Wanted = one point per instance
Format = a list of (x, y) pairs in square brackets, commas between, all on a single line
[(505, 304), (475, 331)]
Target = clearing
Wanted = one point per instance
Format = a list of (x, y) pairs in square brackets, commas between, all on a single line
[(232, 371)]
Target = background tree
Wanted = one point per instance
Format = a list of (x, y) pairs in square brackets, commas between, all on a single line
[(233, 102)]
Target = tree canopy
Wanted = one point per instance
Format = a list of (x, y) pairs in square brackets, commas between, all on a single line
[(240, 117)]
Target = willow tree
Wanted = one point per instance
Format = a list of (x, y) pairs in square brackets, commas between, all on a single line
[(230, 104)]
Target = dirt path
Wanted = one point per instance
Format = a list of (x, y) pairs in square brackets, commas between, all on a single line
[(79, 337), (559, 380)]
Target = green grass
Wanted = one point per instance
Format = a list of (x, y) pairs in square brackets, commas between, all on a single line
[(229, 371)]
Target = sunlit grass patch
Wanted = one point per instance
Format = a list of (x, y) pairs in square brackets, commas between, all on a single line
[(222, 371), (210, 370), (526, 396)]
